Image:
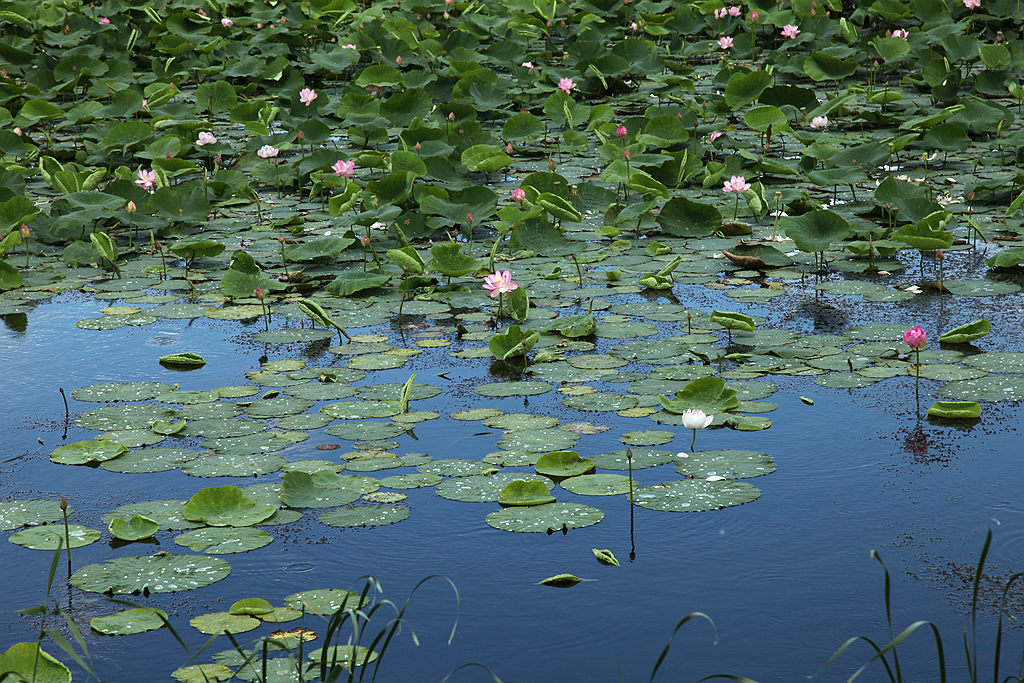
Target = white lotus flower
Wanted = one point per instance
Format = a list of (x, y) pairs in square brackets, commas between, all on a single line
[(695, 418)]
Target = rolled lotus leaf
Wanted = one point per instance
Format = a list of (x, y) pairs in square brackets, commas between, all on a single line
[(186, 359)]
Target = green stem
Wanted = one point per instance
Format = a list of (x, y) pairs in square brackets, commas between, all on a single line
[(693, 440)]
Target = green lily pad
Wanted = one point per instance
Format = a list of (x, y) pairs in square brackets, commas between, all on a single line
[(598, 484), (944, 372), (521, 492), (475, 414), (324, 601), (1000, 361), (546, 518), (121, 391), (231, 465), (161, 573), (292, 336), (133, 438), (203, 673), (364, 515), (563, 464), (647, 437), (130, 416), (51, 537), (324, 489), (601, 402), (642, 459), (134, 529), (606, 557), (411, 481), (16, 513), (367, 430), (704, 393), (377, 361), (224, 540), (502, 389), (253, 607), (980, 287), (86, 452), (219, 622), (359, 409), (985, 389), (538, 440), (520, 421), (728, 463), (278, 407), (344, 656), (135, 620), (482, 488), (957, 410), (696, 495), (844, 380), (169, 514), (185, 359), (29, 662), (226, 506), (455, 467)]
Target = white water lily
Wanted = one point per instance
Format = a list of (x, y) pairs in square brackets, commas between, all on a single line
[(695, 418)]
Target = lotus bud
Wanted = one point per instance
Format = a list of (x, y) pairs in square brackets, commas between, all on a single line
[(364, 240), (302, 136), (260, 294), (418, 146), (17, 130), (398, 60), (451, 116), (621, 132), (469, 218), (280, 238), (24, 231), (551, 164), (63, 504), (131, 208), (626, 155)]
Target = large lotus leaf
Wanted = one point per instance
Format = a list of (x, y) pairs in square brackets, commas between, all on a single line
[(574, 326), (352, 281), (520, 492), (563, 464), (1007, 258), (186, 202), (244, 464), (980, 287), (16, 513), (169, 514), (455, 467), (637, 458), (321, 247), (324, 600), (513, 342), (121, 391), (226, 506), (821, 66), (696, 495), (135, 620), (743, 88), (1000, 361), (161, 573), (224, 540), (448, 259), (967, 332), (728, 463), (486, 158), (1004, 388), (546, 518), (324, 489), (134, 529), (600, 401), (705, 393), (192, 250), (538, 440), (815, 230), (52, 537), (219, 622), (481, 488), (598, 484), (29, 662), (86, 452), (733, 321), (364, 515), (927, 233)]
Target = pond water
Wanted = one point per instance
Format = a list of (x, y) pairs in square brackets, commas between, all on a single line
[(786, 578)]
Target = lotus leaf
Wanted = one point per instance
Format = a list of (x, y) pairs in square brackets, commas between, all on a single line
[(364, 515), (16, 513), (965, 334), (957, 410), (547, 518), (560, 581), (129, 621), (52, 537), (324, 489), (695, 495), (226, 506), (29, 662), (87, 452), (223, 622), (704, 393), (520, 492), (482, 488), (324, 601), (160, 573), (224, 540), (134, 529), (563, 464)]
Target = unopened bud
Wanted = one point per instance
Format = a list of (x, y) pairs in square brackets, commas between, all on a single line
[(364, 240), (260, 294), (398, 60), (131, 208), (626, 155), (63, 503), (24, 231)]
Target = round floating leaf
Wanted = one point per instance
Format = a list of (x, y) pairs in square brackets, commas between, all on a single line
[(521, 492), (136, 620), (1001, 361), (642, 459), (241, 465), (52, 537), (324, 489), (695, 495), (844, 380), (292, 336), (254, 607), (411, 481), (600, 401), (226, 506), (377, 361), (520, 421), (169, 514), (475, 414), (121, 391), (647, 437), (324, 601), (815, 230), (482, 488), (455, 467), (29, 662), (278, 407), (219, 622), (129, 416), (547, 518), (203, 673), (501, 389), (344, 655), (704, 393), (598, 484), (943, 372), (367, 430), (985, 389), (964, 334), (980, 287), (133, 438), (86, 452), (357, 410), (957, 410), (365, 515), (224, 540), (538, 440), (16, 513), (563, 464), (161, 573), (729, 463), (134, 529)]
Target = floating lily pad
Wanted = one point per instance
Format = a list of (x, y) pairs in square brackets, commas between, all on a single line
[(475, 414), (601, 401), (377, 361), (344, 656), (367, 430), (455, 467), (728, 463), (136, 620), (226, 506), (563, 464), (134, 529), (481, 488), (224, 465), (561, 581), (844, 380), (521, 492), (1000, 361), (121, 391), (224, 540), (411, 481), (956, 410), (292, 336), (324, 489), (964, 334), (696, 495), (130, 416), (538, 440), (185, 359), (980, 287), (642, 459), (169, 514), (501, 389), (203, 673), (520, 421), (647, 437), (944, 372), (324, 600), (220, 622), (133, 438), (278, 407), (29, 662), (16, 513), (598, 484), (357, 410), (546, 518), (364, 515), (51, 537), (162, 573), (86, 452), (985, 389)]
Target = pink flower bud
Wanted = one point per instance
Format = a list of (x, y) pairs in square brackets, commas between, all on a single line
[(469, 218), (24, 231), (621, 132), (451, 116), (518, 194), (398, 60), (626, 155), (508, 148), (260, 294), (130, 208), (63, 504), (364, 240)]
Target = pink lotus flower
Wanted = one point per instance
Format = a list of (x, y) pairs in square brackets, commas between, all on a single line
[(307, 95), (349, 46), (790, 31), (819, 122), (500, 282), (753, 16), (734, 11), (737, 184), (915, 337), (104, 21), (972, 4), (621, 132), (566, 85), (900, 33), (206, 138), (528, 66), (714, 135), (725, 42), (721, 13), (344, 169), (226, 23), (518, 194), (146, 179), (267, 152)]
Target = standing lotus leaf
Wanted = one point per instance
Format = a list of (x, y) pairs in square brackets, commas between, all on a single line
[(226, 506), (966, 333), (563, 464), (704, 393), (519, 492)]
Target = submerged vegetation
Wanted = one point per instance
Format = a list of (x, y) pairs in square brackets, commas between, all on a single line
[(601, 203)]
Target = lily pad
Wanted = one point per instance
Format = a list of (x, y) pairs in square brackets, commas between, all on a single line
[(501, 389), (16, 513), (985, 389), (696, 495), (220, 622), (364, 515), (411, 481), (51, 537), (965, 334), (324, 601), (521, 492), (161, 573), (29, 662), (134, 529), (121, 391), (226, 506), (642, 459), (956, 410), (728, 463), (87, 452), (647, 437), (455, 467), (547, 518), (169, 514), (538, 440), (224, 540), (563, 464), (598, 484), (482, 488), (324, 489), (136, 620)]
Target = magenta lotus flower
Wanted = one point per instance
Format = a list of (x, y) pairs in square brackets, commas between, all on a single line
[(267, 152), (344, 169), (307, 95), (737, 184), (206, 138), (146, 179), (566, 85), (715, 134), (819, 122), (104, 21), (790, 31), (518, 194), (734, 11), (972, 4), (899, 33), (226, 23), (500, 282), (721, 13), (915, 337), (621, 131), (725, 42)]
